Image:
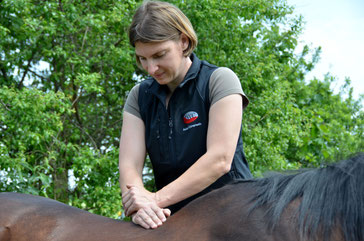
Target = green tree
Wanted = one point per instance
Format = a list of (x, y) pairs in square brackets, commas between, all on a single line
[(30, 131), (79, 49), (66, 68)]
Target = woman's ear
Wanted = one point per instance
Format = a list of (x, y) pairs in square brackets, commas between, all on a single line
[(185, 41)]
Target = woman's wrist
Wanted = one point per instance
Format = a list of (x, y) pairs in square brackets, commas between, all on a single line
[(162, 199), (157, 198)]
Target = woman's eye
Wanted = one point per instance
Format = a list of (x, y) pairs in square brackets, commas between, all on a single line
[(160, 55)]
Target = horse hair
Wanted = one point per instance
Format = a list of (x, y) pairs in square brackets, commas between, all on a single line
[(331, 197)]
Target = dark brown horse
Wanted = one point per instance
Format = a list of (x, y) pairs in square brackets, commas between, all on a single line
[(319, 204)]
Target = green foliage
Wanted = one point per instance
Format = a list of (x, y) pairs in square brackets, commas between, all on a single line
[(96, 182), (66, 68), (79, 49), (31, 123)]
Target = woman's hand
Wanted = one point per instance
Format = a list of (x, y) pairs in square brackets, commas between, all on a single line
[(143, 205), (136, 198), (143, 218)]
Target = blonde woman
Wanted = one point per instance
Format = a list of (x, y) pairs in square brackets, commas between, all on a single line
[(186, 116)]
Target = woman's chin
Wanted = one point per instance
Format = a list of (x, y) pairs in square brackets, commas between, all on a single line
[(162, 80)]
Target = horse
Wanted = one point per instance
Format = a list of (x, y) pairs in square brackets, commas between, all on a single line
[(319, 204)]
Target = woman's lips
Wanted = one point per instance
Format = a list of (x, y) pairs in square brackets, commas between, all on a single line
[(158, 76)]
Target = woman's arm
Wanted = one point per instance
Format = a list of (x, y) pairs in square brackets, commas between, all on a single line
[(132, 152), (223, 132), (222, 136), (131, 162)]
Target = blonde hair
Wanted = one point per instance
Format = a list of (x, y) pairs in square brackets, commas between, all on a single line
[(156, 21)]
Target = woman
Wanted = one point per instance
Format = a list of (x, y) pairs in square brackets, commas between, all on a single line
[(186, 116)]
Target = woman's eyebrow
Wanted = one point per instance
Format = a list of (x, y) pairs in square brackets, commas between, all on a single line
[(156, 53)]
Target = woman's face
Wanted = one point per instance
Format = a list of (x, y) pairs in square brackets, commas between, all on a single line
[(164, 61)]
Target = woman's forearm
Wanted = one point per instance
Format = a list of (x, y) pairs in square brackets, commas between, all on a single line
[(129, 176), (131, 151), (199, 176)]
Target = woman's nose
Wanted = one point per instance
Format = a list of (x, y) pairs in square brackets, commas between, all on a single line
[(152, 67)]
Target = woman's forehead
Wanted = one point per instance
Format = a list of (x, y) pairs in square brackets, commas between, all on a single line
[(152, 48)]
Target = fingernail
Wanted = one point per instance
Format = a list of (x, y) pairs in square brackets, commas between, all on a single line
[(164, 219)]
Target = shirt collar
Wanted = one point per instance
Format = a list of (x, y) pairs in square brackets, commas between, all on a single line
[(192, 71)]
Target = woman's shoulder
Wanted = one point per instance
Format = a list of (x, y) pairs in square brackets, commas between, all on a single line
[(134, 92), (224, 82), (224, 70), (131, 105)]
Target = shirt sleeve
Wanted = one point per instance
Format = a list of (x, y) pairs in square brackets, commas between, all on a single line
[(131, 105), (224, 82)]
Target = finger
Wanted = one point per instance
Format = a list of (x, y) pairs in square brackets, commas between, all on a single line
[(152, 214), (130, 189), (132, 208), (132, 194), (129, 201), (167, 212), (159, 213), (147, 219), (139, 221), (125, 196), (128, 206)]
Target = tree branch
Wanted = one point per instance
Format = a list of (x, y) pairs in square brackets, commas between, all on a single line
[(74, 102), (39, 76), (4, 74), (84, 38), (88, 135), (3, 70), (4, 105), (118, 42), (60, 5), (26, 70)]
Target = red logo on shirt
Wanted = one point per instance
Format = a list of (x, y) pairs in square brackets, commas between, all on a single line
[(190, 117)]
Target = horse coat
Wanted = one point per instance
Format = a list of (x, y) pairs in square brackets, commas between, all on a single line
[(319, 204)]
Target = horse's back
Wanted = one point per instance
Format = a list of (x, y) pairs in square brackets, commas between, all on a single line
[(18, 207), (22, 217), (27, 217), (4, 234)]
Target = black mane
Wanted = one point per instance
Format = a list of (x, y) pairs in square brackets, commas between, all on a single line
[(330, 197)]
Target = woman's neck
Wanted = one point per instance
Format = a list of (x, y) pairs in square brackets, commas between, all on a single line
[(185, 67)]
